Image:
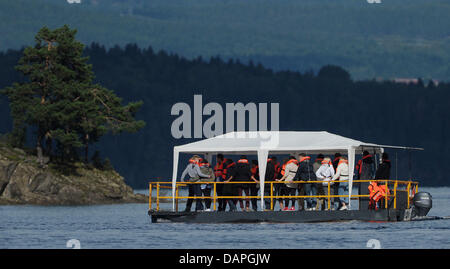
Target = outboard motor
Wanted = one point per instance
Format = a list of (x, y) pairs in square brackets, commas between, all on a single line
[(422, 204)]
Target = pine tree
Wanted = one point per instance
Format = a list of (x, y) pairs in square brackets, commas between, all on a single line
[(60, 101)]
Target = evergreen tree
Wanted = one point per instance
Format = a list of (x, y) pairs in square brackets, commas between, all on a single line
[(59, 100)]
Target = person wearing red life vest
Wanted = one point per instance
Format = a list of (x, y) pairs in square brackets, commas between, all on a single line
[(254, 187), (229, 189), (364, 171), (243, 173), (220, 177), (305, 172), (280, 189)]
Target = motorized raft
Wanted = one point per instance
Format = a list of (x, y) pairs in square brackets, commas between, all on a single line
[(401, 201)]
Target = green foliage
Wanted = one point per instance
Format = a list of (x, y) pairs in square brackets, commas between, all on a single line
[(392, 39), (60, 101)]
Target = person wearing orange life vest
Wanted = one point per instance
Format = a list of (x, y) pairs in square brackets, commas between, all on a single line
[(325, 173), (194, 172), (220, 177), (335, 187), (342, 174), (290, 171)]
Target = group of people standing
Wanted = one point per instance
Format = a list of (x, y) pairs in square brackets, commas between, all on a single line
[(292, 169)]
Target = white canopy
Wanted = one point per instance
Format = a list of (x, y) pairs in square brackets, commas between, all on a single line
[(261, 143)]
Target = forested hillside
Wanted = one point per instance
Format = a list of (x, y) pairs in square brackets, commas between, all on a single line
[(371, 111), (391, 39)]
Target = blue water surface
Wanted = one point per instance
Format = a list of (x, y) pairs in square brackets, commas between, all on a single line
[(129, 226)]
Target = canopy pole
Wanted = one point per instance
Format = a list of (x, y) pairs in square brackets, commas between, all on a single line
[(174, 176), (262, 164), (351, 169)]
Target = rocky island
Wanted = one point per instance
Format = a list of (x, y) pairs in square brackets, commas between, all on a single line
[(22, 181)]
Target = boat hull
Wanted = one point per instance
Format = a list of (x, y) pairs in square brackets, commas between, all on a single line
[(279, 216)]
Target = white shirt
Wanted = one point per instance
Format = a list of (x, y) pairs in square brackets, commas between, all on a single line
[(341, 172), (325, 173), (289, 171)]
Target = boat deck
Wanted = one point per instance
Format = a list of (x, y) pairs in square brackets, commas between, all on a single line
[(278, 216)]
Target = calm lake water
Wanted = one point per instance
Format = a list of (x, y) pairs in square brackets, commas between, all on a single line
[(129, 226)]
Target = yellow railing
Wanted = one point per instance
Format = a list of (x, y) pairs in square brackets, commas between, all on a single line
[(411, 187)]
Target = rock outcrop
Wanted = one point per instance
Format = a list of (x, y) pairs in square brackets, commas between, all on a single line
[(22, 181)]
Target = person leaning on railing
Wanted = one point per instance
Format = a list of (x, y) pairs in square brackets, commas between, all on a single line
[(319, 186), (242, 173), (325, 173), (288, 177), (193, 170), (229, 189), (340, 175), (206, 169), (305, 172)]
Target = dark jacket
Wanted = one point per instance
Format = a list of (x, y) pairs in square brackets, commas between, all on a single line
[(242, 172), (270, 172), (365, 168), (384, 171), (305, 171)]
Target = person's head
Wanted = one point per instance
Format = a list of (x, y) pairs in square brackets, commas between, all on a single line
[(220, 157), (365, 153), (204, 162), (243, 157), (274, 158), (196, 158), (343, 158), (291, 158), (337, 155), (301, 155), (254, 163), (320, 157), (385, 156), (326, 160)]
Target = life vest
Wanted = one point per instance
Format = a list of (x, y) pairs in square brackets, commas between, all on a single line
[(342, 161), (255, 171), (218, 169), (282, 169), (243, 161), (359, 164), (376, 193), (305, 158), (326, 162), (277, 169), (225, 170)]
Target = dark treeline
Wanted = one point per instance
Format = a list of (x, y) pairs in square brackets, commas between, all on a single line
[(380, 112)]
